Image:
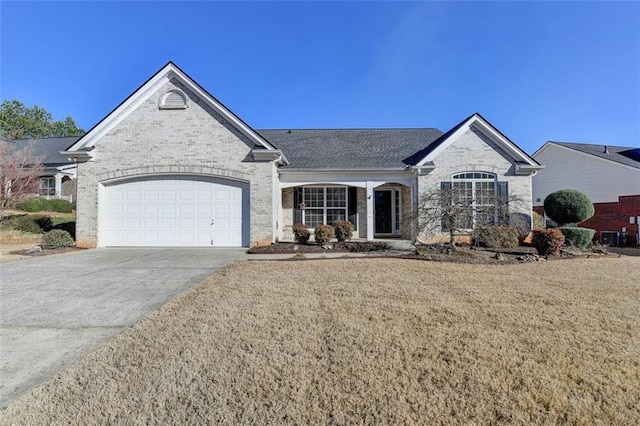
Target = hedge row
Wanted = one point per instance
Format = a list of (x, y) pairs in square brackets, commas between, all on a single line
[(39, 204)]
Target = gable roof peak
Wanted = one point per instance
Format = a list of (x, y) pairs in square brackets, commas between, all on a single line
[(146, 90), (482, 124)]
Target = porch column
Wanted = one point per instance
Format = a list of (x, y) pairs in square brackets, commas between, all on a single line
[(370, 210), (58, 178)]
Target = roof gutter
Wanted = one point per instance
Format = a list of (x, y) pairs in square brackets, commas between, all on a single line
[(527, 169), (262, 154), (350, 170), (424, 169)]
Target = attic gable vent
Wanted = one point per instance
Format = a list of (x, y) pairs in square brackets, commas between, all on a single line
[(174, 99)]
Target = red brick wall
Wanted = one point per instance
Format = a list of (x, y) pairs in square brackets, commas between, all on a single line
[(613, 217)]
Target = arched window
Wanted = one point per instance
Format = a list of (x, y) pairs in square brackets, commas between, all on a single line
[(175, 99), (480, 198)]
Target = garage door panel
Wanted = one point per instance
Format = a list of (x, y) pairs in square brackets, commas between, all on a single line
[(170, 211)]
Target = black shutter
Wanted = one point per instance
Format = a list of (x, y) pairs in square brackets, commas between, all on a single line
[(503, 203), (297, 200), (445, 197), (352, 206)]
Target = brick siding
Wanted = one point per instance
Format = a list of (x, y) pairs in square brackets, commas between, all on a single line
[(613, 217)]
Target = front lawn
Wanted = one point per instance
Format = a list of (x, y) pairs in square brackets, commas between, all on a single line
[(369, 341)]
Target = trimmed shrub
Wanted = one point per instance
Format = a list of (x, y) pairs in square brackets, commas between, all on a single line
[(577, 237), (568, 206), (39, 204), (57, 238), (32, 224), (496, 236), (301, 233), (70, 227), (35, 204), (548, 241), (343, 230), (323, 234), (61, 206)]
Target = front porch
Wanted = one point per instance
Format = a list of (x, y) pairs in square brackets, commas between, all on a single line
[(376, 209)]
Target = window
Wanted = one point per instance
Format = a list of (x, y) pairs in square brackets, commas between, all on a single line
[(47, 186), (324, 205), (479, 198)]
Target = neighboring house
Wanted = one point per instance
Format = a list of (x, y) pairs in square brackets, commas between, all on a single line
[(172, 166), (58, 174), (608, 175)]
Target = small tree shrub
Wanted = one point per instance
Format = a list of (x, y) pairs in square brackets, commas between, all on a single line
[(577, 237), (538, 221), (35, 204), (568, 206), (61, 206), (301, 233), (496, 236), (343, 230), (323, 234), (548, 241), (57, 238)]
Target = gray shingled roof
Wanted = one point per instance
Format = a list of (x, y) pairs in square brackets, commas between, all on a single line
[(626, 155), (48, 149), (349, 148)]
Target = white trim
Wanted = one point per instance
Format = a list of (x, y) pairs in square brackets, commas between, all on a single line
[(488, 130), (161, 78), (325, 207), (163, 100), (586, 154)]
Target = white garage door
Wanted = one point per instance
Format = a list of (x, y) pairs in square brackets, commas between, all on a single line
[(175, 211)]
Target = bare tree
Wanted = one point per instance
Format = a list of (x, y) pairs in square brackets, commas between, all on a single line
[(456, 210), (19, 174)]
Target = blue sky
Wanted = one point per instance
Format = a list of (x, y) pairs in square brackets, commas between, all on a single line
[(537, 70)]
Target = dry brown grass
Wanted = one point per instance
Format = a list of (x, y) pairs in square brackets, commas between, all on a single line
[(369, 341)]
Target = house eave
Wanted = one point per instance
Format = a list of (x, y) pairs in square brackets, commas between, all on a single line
[(78, 156), (343, 170), (527, 169), (261, 154), (424, 169)]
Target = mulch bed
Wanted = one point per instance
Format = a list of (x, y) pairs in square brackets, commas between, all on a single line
[(344, 247), (437, 253)]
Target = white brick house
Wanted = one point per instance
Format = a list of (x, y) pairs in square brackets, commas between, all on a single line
[(172, 166)]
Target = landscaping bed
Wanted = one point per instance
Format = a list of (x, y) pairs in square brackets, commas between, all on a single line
[(337, 247)]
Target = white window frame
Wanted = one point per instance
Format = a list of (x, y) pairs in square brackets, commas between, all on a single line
[(324, 208), (48, 190), (485, 177)]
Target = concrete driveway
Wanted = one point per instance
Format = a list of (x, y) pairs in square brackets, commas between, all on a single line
[(54, 309)]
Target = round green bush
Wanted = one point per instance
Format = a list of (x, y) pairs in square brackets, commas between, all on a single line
[(568, 206), (61, 206), (57, 238), (577, 237), (343, 230), (324, 234), (36, 204), (301, 233)]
